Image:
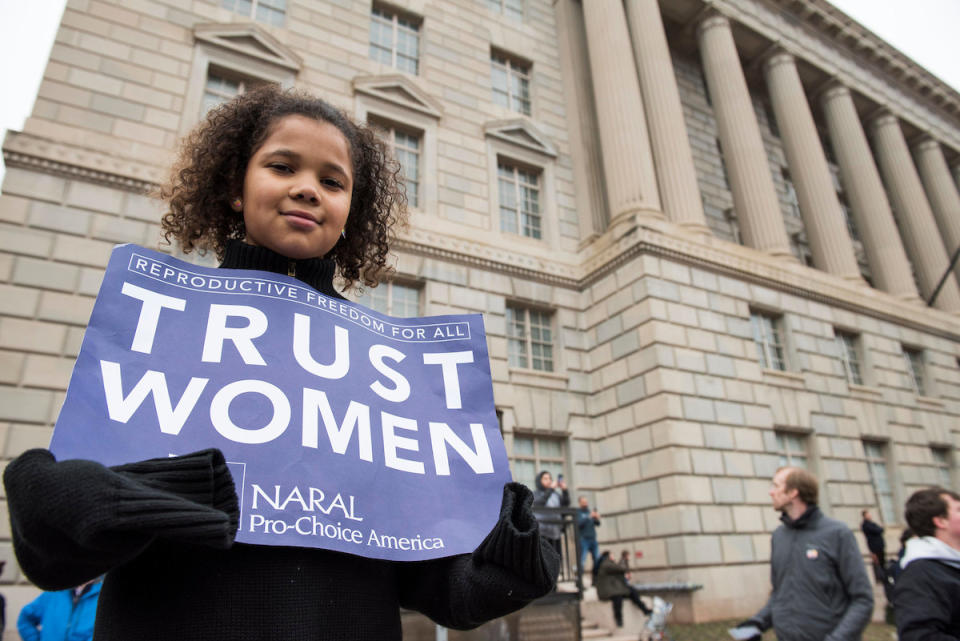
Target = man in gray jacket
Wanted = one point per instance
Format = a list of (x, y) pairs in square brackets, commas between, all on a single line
[(820, 587)]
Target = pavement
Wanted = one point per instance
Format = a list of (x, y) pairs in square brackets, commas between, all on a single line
[(717, 631)]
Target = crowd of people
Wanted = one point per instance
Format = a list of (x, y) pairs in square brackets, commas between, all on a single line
[(281, 181), (820, 587)]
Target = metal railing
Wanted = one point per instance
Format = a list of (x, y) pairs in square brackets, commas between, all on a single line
[(566, 519)]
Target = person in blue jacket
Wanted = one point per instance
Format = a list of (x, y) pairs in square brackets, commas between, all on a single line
[(64, 615)]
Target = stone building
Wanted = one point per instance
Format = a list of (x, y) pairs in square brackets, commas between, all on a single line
[(701, 232)]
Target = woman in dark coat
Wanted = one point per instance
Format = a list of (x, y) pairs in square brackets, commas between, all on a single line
[(611, 582), (550, 493)]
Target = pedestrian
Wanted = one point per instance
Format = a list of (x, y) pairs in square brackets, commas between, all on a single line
[(873, 532), (550, 494), (612, 585), (820, 588), (926, 595), (587, 523), (64, 615)]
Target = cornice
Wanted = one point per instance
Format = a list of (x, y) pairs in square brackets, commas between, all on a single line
[(814, 32), (495, 259), (718, 257), (68, 161)]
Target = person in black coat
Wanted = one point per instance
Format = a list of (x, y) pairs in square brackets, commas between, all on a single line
[(873, 532), (610, 579), (927, 594)]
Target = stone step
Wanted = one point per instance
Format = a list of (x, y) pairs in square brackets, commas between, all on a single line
[(592, 630), (602, 634)]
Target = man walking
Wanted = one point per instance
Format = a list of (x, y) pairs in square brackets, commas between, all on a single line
[(925, 596), (587, 523), (873, 533), (820, 587)]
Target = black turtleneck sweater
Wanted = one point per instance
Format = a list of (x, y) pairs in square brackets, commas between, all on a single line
[(162, 530)]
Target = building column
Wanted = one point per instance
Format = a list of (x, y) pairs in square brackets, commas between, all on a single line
[(581, 121), (627, 160), (676, 176), (754, 196), (823, 220), (888, 261), (942, 192), (917, 225)]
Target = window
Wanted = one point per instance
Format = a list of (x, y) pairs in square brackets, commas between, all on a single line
[(792, 449), (223, 85), (730, 216), (766, 337), (395, 39), (849, 355), (265, 11), (511, 83), (771, 119), (393, 299), (406, 145), (723, 164), (519, 200), (529, 339), (941, 461), (914, 361), (408, 117), (793, 203), (534, 454), (510, 8), (876, 456), (231, 59), (847, 216)]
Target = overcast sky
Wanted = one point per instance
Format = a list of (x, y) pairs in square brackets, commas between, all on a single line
[(925, 30)]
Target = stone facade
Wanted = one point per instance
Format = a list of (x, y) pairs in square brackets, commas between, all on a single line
[(656, 406)]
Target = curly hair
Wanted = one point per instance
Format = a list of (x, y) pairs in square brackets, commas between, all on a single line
[(212, 162)]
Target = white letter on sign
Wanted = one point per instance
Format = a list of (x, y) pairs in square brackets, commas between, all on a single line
[(121, 409), (149, 314), (356, 417), (477, 458), (220, 412), (393, 442), (242, 337), (401, 390), (301, 350), (451, 381)]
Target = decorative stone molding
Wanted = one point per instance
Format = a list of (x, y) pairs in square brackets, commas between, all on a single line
[(815, 35), (521, 132), (489, 258), (400, 91), (250, 40), (716, 256), (77, 163)]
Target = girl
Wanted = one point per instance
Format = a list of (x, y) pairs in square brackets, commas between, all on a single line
[(279, 181)]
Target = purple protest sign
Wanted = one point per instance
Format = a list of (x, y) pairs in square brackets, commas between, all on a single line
[(345, 429)]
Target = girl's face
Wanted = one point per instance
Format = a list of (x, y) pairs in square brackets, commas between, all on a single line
[(297, 188)]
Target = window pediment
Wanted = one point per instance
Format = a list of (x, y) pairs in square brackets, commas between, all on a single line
[(522, 133), (400, 91), (250, 40)]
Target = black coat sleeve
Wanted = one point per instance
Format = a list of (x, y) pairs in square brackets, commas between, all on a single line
[(510, 568), (923, 606), (74, 520)]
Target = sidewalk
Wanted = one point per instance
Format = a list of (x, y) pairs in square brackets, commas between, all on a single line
[(718, 632)]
